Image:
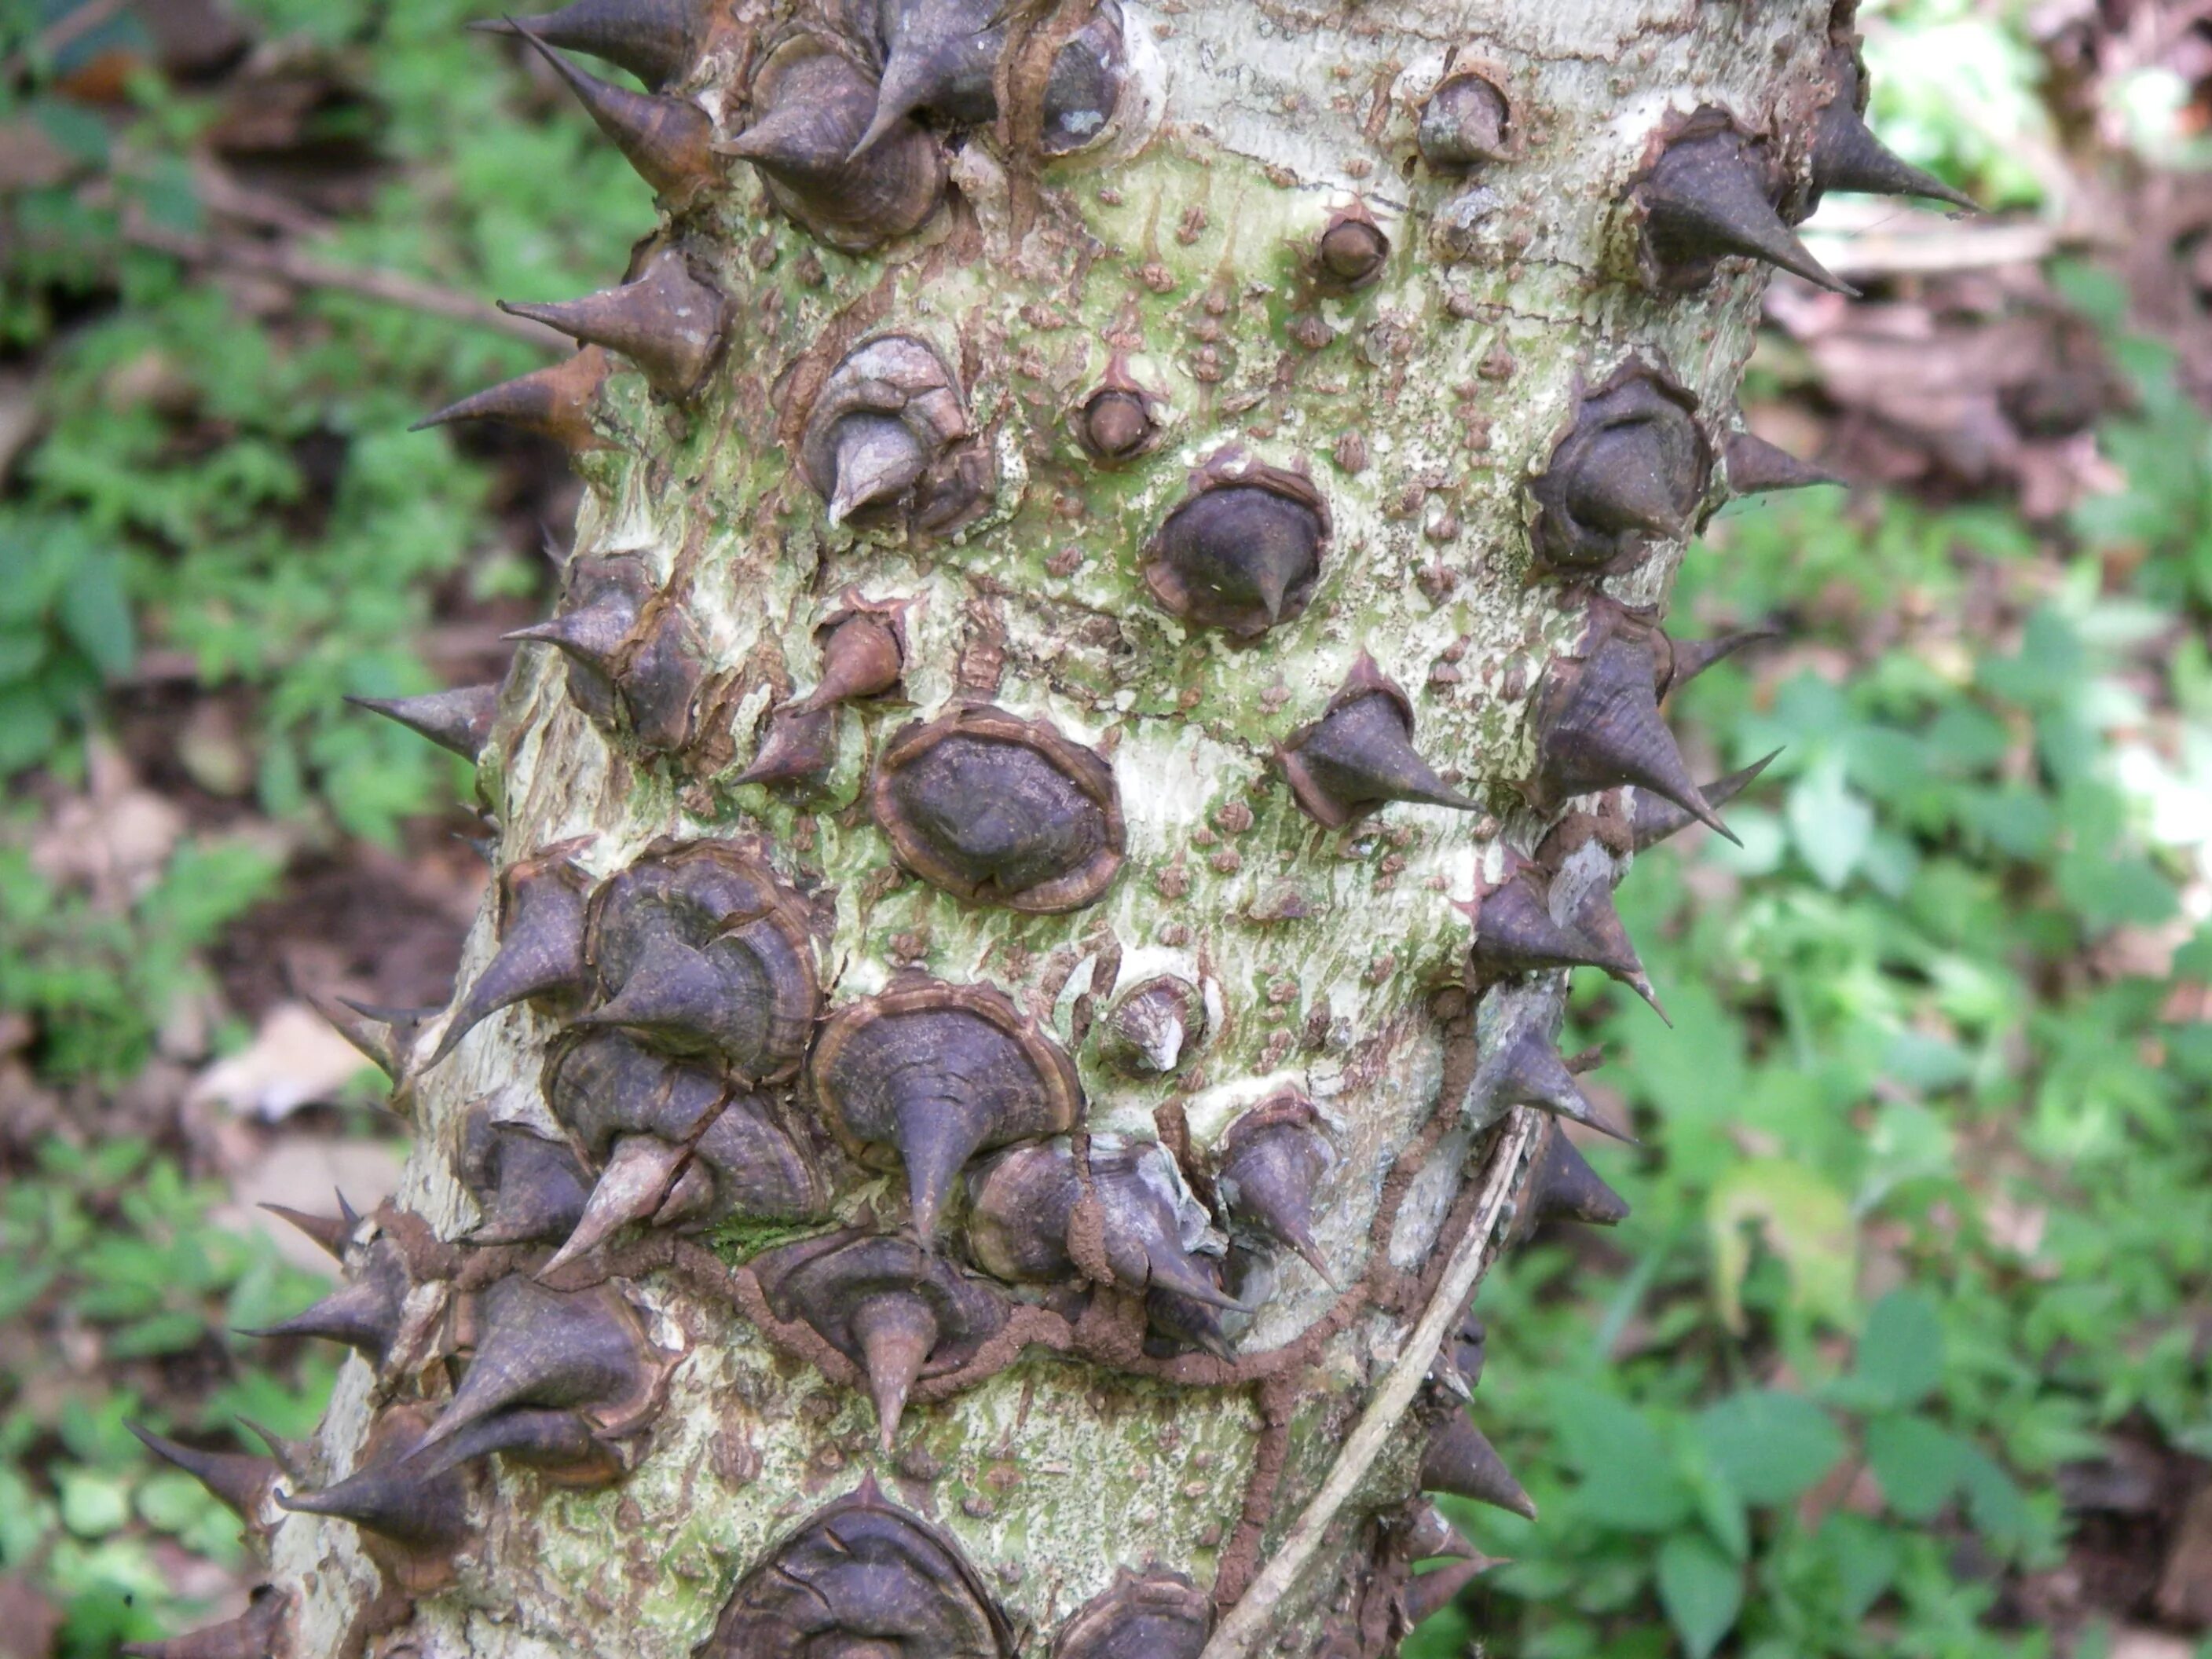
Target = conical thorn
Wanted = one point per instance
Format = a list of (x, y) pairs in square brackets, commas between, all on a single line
[(459, 720), (1459, 1460), (635, 1180), (240, 1481), (1564, 1188)]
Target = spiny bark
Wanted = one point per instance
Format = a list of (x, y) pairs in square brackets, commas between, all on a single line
[(1110, 664)]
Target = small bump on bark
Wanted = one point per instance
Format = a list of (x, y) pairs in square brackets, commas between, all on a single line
[(1154, 1028)]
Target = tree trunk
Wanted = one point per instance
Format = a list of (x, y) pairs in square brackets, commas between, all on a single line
[(1093, 707)]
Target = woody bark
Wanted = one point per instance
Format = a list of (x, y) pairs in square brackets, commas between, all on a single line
[(1108, 671)]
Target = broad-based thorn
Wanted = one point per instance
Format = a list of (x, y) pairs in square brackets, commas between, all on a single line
[(637, 1179), (556, 403), (936, 1074), (1272, 1158), (1427, 1594), (797, 747), (1598, 724), (240, 1481), (656, 40), (262, 1631), (1564, 1188), (1711, 196), (814, 108), (1524, 1068), (1459, 1460), (458, 720), (332, 1233), (364, 1313), (581, 1350), (1242, 555), (666, 140), (940, 56), (541, 948), (424, 1518), (1429, 1534), (667, 321), (532, 1190), (1755, 467), (1652, 818), (1847, 157), (860, 657), (1360, 756)]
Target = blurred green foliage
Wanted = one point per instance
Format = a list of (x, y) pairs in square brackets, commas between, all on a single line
[(250, 494), (112, 1249)]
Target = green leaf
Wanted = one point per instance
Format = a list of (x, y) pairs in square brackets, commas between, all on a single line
[(178, 1332), (1900, 1353), (75, 128), (1832, 825), (94, 1505), (1771, 1447), (1865, 1556), (1805, 1221), (1629, 1479), (1920, 1465), (96, 616), (171, 1500), (1701, 1589), (28, 730), (1995, 1502), (21, 651)]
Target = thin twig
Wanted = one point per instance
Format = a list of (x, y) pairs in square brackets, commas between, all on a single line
[(304, 271), (1251, 1620)]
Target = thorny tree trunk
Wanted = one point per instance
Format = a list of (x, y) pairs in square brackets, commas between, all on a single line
[(1048, 1059)]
